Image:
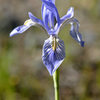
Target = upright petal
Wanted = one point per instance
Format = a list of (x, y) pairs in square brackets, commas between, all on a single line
[(35, 19), (70, 14), (46, 22), (50, 17), (51, 20), (20, 29), (53, 1), (74, 32), (53, 53), (53, 9), (43, 11), (45, 17)]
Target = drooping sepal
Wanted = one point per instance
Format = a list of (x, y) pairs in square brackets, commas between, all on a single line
[(53, 53), (20, 29), (74, 32)]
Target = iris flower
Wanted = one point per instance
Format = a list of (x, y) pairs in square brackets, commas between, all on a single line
[(53, 52)]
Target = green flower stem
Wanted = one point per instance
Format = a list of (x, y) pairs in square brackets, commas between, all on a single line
[(56, 83)]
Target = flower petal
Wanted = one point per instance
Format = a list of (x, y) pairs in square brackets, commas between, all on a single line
[(53, 9), (20, 29), (51, 19), (35, 19), (45, 17), (52, 58), (70, 14), (74, 32), (53, 1)]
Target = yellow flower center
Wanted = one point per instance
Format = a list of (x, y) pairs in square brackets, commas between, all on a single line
[(27, 22), (54, 43)]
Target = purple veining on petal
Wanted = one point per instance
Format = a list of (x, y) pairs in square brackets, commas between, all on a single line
[(52, 59), (74, 32), (19, 30)]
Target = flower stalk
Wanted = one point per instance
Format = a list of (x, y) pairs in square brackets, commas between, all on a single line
[(56, 83)]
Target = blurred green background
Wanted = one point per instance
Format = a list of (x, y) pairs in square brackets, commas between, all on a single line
[(22, 73)]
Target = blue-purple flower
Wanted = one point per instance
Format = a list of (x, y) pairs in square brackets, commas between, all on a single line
[(53, 52)]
